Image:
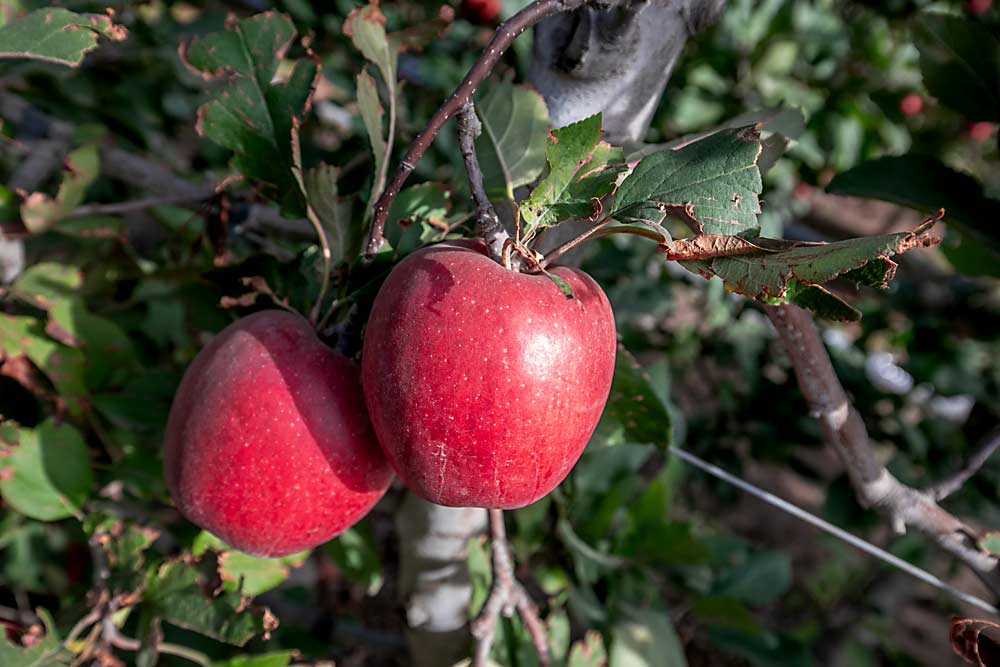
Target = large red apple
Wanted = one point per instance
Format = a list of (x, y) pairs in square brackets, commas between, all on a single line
[(268, 444), (484, 384)]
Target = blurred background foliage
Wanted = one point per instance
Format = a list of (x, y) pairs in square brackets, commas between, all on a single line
[(635, 557)]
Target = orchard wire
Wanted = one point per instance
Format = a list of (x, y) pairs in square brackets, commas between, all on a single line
[(826, 526)]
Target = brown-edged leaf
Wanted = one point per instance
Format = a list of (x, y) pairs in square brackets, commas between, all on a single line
[(976, 641)]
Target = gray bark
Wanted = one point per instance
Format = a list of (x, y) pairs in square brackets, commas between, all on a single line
[(434, 580), (616, 60)]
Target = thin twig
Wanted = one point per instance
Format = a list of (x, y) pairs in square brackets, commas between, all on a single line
[(502, 39), (487, 221), (506, 595), (844, 429), (120, 208), (954, 482)]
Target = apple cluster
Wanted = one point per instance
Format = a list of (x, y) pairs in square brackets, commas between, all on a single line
[(479, 387)]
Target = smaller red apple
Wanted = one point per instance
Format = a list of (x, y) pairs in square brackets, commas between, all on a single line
[(978, 7), (980, 131), (268, 444), (911, 104), (483, 12)]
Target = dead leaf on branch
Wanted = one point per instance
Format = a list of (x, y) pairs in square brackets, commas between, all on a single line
[(776, 270), (259, 287), (976, 641)]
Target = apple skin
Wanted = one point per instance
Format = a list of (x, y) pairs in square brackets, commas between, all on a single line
[(483, 12), (484, 384), (268, 444)]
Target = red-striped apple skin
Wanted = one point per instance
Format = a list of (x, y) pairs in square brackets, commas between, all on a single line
[(484, 384), (268, 444)]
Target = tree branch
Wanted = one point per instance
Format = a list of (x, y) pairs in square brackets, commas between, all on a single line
[(144, 173), (506, 595), (954, 482), (502, 39), (487, 221), (844, 429)]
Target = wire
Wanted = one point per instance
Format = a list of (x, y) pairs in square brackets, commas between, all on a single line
[(828, 527)]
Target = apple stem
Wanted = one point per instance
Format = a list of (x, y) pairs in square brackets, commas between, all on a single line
[(487, 221), (506, 595), (501, 41)]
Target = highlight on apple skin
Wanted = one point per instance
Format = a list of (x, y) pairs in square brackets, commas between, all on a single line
[(268, 444), (485, 384)]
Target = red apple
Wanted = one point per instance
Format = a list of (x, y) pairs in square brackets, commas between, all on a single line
[(911, 104), (482, 12), (268, 445), (978, 7), (484, 384), (980, 131)]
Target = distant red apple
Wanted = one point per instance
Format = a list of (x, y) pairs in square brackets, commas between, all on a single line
[(484, 384), (483, 12), (911, 104), (978, 7), (980, 130), (268, 445)]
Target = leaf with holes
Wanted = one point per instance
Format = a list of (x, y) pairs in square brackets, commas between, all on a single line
[(57, 35), (247, 112), (711, 184), (185, 595), (511, 147), (797, 274), (581, 170)]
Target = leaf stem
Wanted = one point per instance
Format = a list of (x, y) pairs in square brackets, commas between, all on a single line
[(597, 231)]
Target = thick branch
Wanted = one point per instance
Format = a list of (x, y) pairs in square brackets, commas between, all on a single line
[(506, 595), (504, 37), (487, 221), (876, 488)]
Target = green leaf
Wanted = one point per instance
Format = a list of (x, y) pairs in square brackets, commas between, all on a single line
[(333, 212), (249, 114), (761, 649), (795, 274), (511, 148), (355, 554), (960, 61), (582, 170), (726, 611), (372, 114), (278, 659), (645, 639), (57, 35), (47, 282), (366, 27), (40, 211), (926, 184), (712, 184), (125, 544), (762, 578), (588, 652), (176, 592), (47, 474), (633, 406), (990, 542), (243, 573)]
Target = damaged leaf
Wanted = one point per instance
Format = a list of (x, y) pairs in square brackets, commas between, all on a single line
[(712, 185), (247, 112), (976, 641), (581, 170), (57, 35), (40, 211)]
